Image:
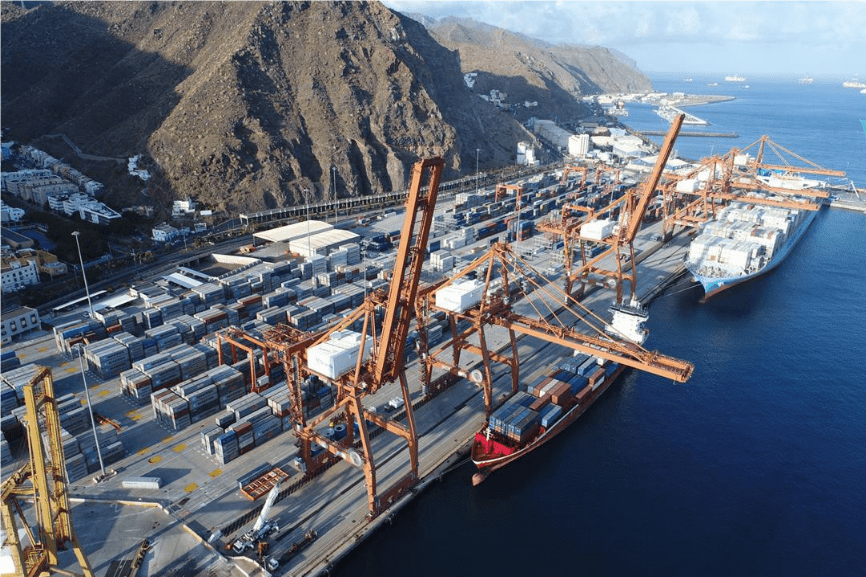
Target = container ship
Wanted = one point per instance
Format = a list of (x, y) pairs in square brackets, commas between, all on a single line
[(547, 407), (743, 242)]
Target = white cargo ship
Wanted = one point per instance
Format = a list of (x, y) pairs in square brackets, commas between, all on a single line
[(735, 78), (744, 241)]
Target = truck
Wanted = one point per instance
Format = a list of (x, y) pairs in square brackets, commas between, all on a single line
[(262, 527)]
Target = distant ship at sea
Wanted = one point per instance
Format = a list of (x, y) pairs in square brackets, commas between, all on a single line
[(806, 80), (853, 84), (712, 83), (687, 79), (735, 78)]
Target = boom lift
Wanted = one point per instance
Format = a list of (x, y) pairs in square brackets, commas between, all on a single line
[(42, 480), (262, 527)]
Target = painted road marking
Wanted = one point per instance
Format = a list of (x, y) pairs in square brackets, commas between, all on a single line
[(42, 349), (72, 370), (190, 488), (216, 473), (144, 451), (168, 439), (103, 393), (179, 448), (155, 459)]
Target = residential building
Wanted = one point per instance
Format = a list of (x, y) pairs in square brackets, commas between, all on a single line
[(19, 321), (10, 213), (164, 232), (578, 144), (16, 276)]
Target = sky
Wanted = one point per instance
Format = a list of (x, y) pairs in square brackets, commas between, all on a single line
[(758, 38)]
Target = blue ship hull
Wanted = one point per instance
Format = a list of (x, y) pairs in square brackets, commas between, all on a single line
[(715, 285)]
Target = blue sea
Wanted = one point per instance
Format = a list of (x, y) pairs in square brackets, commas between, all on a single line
[(756, 466)]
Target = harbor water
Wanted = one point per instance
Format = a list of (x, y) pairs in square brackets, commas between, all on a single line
[(756, 466)]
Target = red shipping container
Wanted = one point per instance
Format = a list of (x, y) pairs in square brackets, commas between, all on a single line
[(540, 403), (583, 394), (561, 394), (596, 377)]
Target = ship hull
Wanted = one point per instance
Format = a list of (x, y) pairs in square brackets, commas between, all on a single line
[(715, 285), (488, 463)]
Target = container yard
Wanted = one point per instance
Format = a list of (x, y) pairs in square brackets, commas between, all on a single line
[(310, 374)]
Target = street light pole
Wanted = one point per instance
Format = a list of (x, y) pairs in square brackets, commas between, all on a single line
[(90, 409), (477, 151), (83, 273)]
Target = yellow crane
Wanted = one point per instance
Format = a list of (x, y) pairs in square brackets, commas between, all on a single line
[(42, 480)]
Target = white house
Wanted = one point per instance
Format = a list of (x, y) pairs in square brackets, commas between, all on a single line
[(19, 321), (164, 232), (16, 275), (10, 213)]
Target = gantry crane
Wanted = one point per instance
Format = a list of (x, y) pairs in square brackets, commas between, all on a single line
[(380, 359), (42, 480), (719, 180), (561, 319), (632, 209)]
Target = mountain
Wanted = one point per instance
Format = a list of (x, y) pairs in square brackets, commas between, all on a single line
[(245, 105), (529, 69)]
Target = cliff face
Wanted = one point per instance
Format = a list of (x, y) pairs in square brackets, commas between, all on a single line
[(528, 69), (244, 105)]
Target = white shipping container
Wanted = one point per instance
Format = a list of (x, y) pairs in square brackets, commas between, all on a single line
[(460, 296), (338, 355), (597, 229)]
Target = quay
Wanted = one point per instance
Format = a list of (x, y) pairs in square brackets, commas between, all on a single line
[(700, 134)]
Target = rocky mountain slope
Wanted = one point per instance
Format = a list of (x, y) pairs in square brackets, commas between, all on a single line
[(244, 105), (528, 69)]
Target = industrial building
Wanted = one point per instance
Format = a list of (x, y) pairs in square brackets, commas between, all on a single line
[(19, 321)]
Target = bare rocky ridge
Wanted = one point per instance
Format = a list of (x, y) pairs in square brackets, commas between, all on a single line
[(243, 105)]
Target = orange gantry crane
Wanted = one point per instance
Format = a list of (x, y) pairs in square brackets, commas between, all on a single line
[(631, 210), (695, 197), (557, 318), (43, 482), (380, 358)]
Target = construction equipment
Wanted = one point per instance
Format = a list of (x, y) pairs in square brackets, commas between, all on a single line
[(262, 527), (617, 239), (42, 480), (380, 355)]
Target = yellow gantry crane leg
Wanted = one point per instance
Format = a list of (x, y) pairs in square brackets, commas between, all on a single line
[(43, 479)]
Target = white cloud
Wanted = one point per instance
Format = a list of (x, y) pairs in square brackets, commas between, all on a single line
[(701, 31)]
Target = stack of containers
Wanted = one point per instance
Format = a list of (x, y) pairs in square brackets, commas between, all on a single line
[(8, 361), (251, 304), (246, 405), (161, 369), (108, 358), (460, 295), (76, 467), (92, 329), (226, 447), (353, 252), (214, 319), (229, 383), (441, 261), (209, 437), (210, 294), (166, 336), (151, 318), (245, 438), (134, 345), (354, 292), (5, 452), (278, 298), (267, 427), (303, 318), (170, 307), (337, 259), (136, 386), (210, 354), (190, 360), (171, 410), (68, 442), (8, 399)]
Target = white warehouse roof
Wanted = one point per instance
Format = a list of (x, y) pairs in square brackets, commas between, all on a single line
[(293, 231), (323, 243)]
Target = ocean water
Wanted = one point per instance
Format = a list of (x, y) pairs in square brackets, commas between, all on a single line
[(757, 466)]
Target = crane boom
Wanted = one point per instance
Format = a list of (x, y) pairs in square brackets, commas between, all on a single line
[(272, 497), (407, 269), (651, 183)]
